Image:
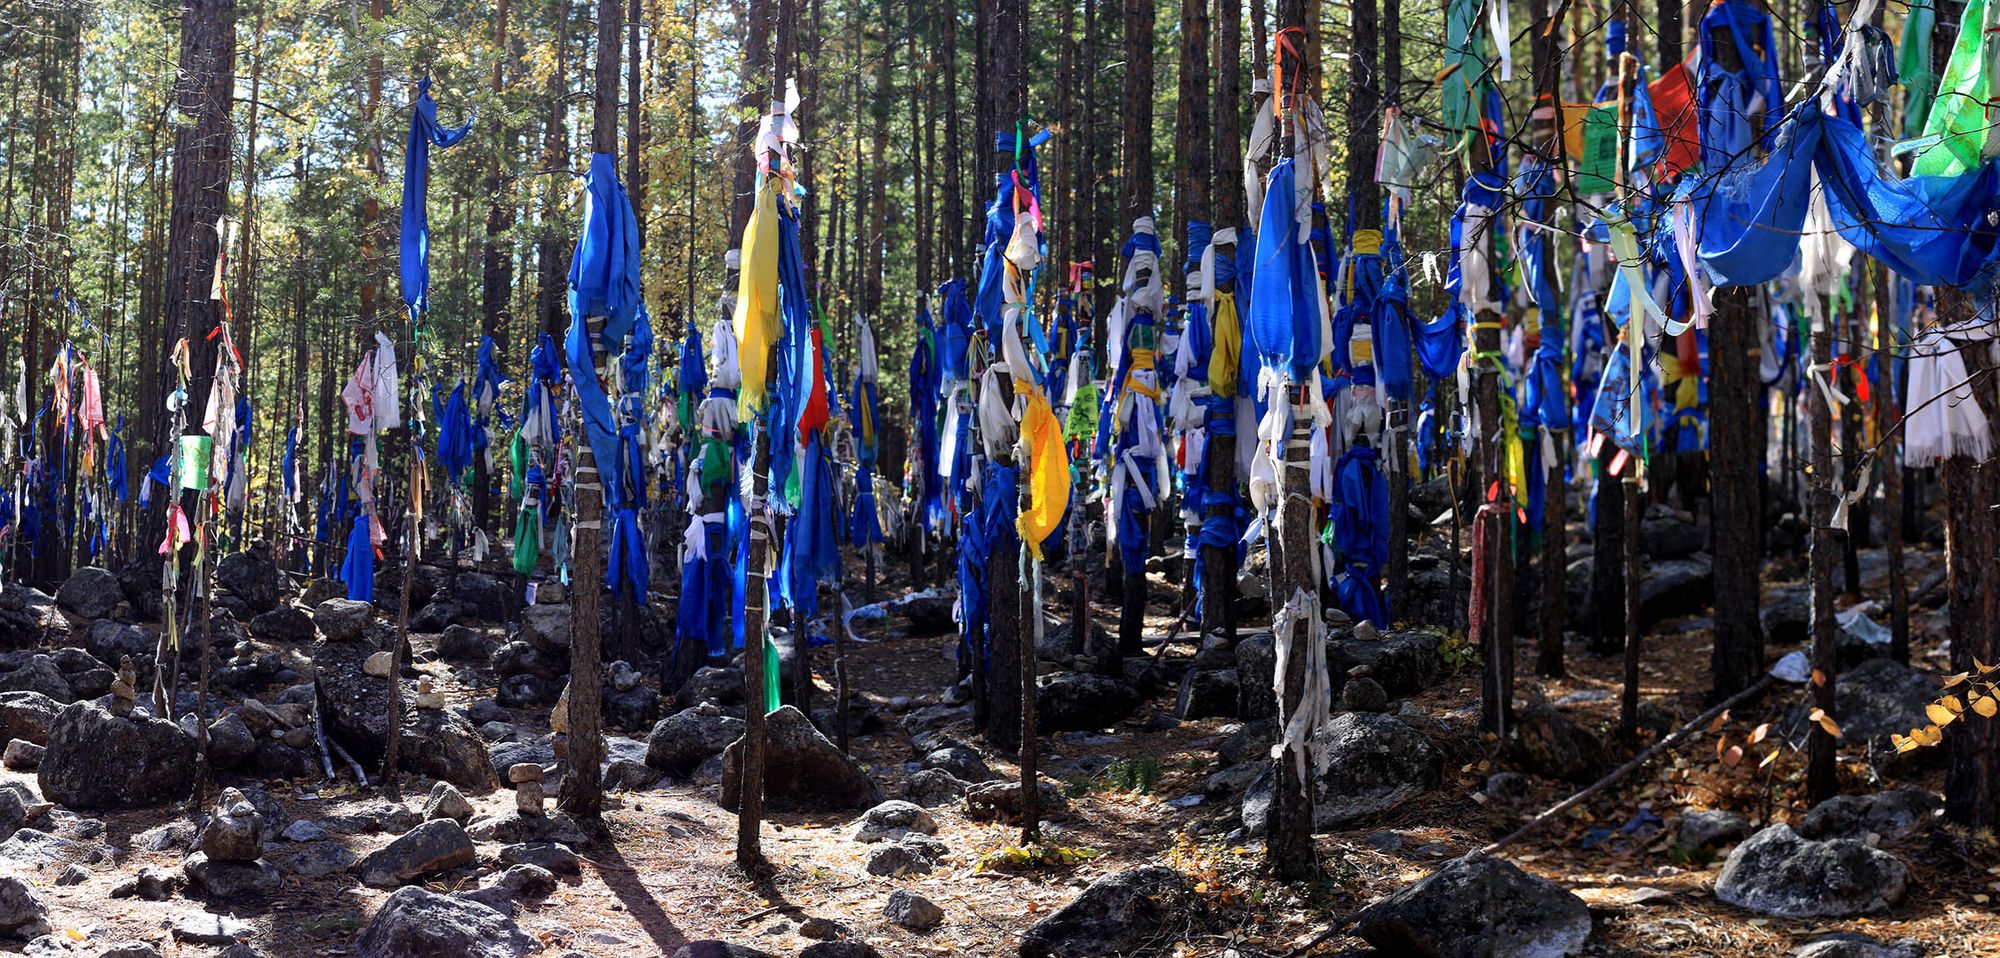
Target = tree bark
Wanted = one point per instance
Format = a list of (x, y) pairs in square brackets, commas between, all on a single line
[(583, 787), (1969, 545), (1734, 390), (1821, 781)]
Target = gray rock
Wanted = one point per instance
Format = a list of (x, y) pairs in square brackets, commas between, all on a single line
[(318, 860), (342, 620), (913, 911), (435, 846), (892, 820), (1851, 945), (461, 644), (1363, 694), (819, 928), (511, 827), (846, 948), (1873, 700), (1082, 701), (517, 884), (90, 593), (932, 787), (230, 742), (235, 830), (1487, 908), (206, 928), (231, 880), (109, 641), (802, 770), (553, 856), (685, 739), (304, 831), (625, 775), (546, 627), (1001, 801), (415, 923), (718, 949), (1668, 533), (1507, 786), (481, 596), (22, 755), (1779, 873), (713, 684), (250, 575), (39, 674), (1403, 663), (899, 859), (96, 760), (1249, 743), (1207, 694), (1712, 828), (960, 761), (447, 802), (131, 949), (286, 623), (150, 884), (1366, 764), (437, 743), (281, 761), (72, 875), (1128, 913), (32, 846), (27, 716), (1891, 814), (22, 914), (1546, 743)]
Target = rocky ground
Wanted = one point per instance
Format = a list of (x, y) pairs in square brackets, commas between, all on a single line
[(1155, 788)]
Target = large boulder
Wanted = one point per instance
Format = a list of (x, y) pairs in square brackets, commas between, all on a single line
[(802, 770), (97, 760), (1547, 743), (1668, 533), (1366, 764), (90, 592), (437, 743), (1403, 663), (109, 642), (22, 914), (343, 620), (437, 845), (479, 596), (286, 623), (1082, 702), (1779, 873), (252, 576), (1485, 909), (1209, 693), (685, 739), (27, 715), (38, 674), (415, 923), (1873, 700), (1890, 814), (1130, 913), (546, 627), (1676, 587)]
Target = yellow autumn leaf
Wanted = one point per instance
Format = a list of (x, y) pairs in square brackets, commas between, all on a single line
[(1956, 680), (1951, 702), (1928, 735), (1757, 734), (1768, 759), (1986, 706), (1939, 714), (1826, 722)]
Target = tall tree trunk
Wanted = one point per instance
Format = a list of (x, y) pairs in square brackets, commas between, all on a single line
[(583, 787), (1734, 390), (1969, 546), (1821, 782), (497, 255), (1547, 53), (551, 263), (954, 183), (1289, 830)]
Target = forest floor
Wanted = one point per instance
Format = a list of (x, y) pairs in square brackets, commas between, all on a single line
[(665, 876)]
